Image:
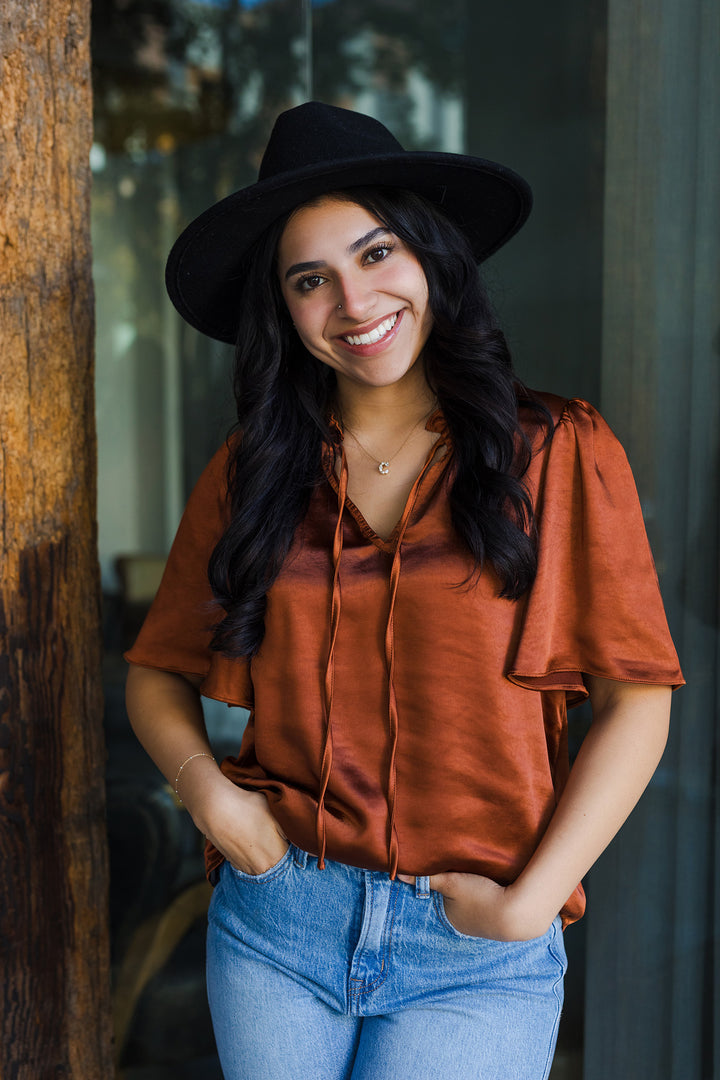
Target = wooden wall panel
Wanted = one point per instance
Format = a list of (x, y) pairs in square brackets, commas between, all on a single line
[(54, 983)]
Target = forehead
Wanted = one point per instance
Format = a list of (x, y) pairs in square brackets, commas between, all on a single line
[(323, 228)]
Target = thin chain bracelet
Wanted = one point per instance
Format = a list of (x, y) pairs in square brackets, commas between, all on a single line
[(185, 762)]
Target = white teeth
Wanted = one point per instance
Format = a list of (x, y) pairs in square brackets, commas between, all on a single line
[(374, 335)]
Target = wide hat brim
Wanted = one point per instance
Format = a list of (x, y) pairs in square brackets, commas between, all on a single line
[(487, 201)]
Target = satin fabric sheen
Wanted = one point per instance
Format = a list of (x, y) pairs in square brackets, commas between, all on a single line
[(481, 684)]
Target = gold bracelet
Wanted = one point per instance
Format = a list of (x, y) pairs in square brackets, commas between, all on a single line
[(185, 762)]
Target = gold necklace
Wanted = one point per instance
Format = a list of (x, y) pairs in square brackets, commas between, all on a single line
[(383, 466)]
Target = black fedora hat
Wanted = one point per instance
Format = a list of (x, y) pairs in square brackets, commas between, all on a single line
[(315, 149)]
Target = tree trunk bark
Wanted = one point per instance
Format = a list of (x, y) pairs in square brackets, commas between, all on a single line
[(54, 956)]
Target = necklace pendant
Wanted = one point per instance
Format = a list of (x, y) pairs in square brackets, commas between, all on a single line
[(384, 467)]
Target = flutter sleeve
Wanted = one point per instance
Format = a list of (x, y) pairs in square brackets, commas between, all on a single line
[(176, 633), (595, 607)]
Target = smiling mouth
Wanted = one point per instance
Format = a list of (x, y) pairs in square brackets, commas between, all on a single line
[(374, 335)]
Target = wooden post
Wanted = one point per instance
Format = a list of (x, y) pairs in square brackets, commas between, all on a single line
[(54, 956)]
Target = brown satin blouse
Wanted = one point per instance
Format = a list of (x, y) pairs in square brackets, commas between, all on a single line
[(400, 720)]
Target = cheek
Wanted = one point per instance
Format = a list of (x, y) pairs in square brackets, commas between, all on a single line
[(413, 284), (308, 329), (306, 316), (422, 302), (308, 325)]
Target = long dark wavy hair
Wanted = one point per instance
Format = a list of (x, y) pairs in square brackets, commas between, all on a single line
[(285, 397)]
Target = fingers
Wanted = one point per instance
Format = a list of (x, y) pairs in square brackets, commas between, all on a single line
[(443, 883), (439, 882), (256, 860), (243, 829)]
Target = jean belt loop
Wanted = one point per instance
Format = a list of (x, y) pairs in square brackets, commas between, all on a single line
[(300, 857), (422, 888)]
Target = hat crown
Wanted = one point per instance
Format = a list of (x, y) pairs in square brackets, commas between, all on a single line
[(317, 134)]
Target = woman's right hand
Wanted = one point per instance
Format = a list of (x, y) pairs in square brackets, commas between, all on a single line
[(166, 714), (237, 822)]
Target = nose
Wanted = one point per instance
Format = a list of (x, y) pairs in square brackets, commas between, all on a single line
[(355, 296)]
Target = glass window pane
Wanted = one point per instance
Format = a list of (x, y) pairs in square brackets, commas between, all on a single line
[(186, 92), (185, 95)]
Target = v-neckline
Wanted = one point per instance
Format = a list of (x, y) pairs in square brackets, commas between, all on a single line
[(389, 543)]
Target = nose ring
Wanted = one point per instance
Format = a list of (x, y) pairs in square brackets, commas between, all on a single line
[(339, 307)]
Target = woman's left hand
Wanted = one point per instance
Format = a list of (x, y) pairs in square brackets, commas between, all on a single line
[(479, 907), (616, 760)]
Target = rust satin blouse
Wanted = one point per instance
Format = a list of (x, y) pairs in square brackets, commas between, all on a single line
[(398, 721)]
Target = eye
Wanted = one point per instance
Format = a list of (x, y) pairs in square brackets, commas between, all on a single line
[(309, 282), (378, 253)]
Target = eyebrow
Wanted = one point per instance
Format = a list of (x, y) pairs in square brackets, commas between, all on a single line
[(357, 245)]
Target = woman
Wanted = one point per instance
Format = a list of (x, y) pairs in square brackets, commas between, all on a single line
[(407, 567)]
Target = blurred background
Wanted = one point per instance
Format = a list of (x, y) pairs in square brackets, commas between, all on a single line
[(608, 293)]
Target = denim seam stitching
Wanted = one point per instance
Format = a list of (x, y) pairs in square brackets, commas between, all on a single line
[(556, 985), (361, 945), (387, 943), (300, 857)]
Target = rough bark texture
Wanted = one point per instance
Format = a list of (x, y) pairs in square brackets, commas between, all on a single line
[(54, 962)]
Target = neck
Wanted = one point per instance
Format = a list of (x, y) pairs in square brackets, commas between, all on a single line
[(384, 408)]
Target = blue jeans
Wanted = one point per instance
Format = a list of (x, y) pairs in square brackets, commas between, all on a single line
[(343, 974)]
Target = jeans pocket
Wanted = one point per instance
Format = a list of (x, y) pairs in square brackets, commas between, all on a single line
[(267, 875)]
